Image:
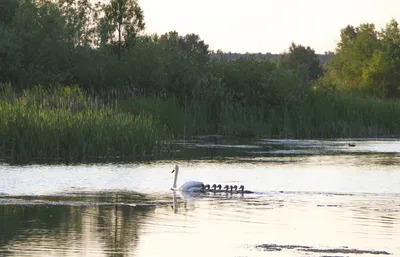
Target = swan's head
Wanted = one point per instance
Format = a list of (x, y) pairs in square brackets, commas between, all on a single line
[(226, 187), (235, 187), (214, 186), (219, 186), (207, 187), (241, 188)]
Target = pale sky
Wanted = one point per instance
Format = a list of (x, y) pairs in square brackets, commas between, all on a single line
[(266, 25)]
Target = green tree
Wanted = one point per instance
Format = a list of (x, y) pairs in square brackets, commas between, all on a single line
[(382, 74), (190, 45), (194, 46), (390, 38), (169, 40), (303, 60), (353, 54), (42, 55), (7, 10), (80, 16), (125, 19)]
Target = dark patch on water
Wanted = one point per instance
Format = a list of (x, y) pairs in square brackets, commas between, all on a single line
[(225, 148), (87, 199), (328, 205), (5, 252), (21, 202), (344, 250)]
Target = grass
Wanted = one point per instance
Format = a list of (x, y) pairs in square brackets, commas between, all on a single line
[(64, 124)]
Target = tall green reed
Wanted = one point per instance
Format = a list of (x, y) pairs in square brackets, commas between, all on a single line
[(64, 124), (315, 115)]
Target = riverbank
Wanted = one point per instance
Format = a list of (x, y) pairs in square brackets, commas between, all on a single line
[(65, 124)]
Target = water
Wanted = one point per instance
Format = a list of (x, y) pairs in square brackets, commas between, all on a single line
[(313, 198)]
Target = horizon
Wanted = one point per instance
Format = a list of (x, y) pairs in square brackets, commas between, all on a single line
[(317, 26)]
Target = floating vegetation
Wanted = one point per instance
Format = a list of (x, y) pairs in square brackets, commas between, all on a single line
[(345, 250)]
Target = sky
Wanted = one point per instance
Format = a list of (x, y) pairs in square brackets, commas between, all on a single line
[(266, 25)]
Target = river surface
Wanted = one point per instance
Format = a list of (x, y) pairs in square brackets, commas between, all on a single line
[(312, 198)]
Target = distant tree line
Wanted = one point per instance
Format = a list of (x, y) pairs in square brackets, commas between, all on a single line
[(102, 48), (232, 56)]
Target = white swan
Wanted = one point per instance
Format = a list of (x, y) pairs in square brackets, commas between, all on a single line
[(189, 186)]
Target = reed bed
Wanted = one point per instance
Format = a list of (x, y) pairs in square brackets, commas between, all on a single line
[(317, 115), (335, 115), (65, 125)]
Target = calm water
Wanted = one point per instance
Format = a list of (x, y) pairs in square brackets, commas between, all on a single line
[(313, 198)]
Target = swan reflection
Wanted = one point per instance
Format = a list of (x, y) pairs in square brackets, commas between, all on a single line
[(189, 198)]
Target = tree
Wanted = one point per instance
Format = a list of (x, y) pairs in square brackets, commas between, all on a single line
[(169, 39), (381, 76), (125, 19), (193, 45), (391, 33), (353, 54), (390, 38), (303, 60), (7, 10), (190, 45), (40, 53), (80, 17)]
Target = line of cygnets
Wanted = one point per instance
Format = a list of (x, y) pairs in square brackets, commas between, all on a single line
[(198, 186), (226, 189)]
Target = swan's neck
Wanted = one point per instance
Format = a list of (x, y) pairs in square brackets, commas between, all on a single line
[(175, 177)]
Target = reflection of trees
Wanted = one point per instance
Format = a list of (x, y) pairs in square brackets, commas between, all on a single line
[(29, 218), (119, 227), (82, 226)]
